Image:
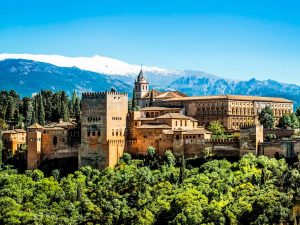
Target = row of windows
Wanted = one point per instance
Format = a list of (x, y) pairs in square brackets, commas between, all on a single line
[(116, 118), (93, 119), (116, 132), (93, 133), (242, 111), (212, 104), (181, 123), (212, 112)]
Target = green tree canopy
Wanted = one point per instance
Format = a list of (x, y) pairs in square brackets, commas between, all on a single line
[(216, 128), (285, 121), (266, 117)]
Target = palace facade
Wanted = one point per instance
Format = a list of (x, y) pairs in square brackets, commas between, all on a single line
[(232, 111)]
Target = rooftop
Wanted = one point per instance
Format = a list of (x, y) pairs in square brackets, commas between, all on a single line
[(9, 132), (35, 126), (232, 97), (20, 130), (175, 116), (153, 108), (164, 94), (154, 126)]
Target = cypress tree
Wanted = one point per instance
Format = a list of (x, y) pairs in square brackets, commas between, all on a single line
[(41, 111), (47, 100), (151, 98), (11, 108), (1, 148), (27, 111), (33, 117), (182, 169), (3, 104), (134, 104), (56, 106), (64, 110), (77, 109)]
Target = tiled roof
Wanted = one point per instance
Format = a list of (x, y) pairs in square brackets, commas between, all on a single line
[(165, 94), (232, 97), (146, 119), (194, 131), (35, 126), (9, 132), (61, 124), (20, 130), (154, 126), (159, 109), (175, 116)]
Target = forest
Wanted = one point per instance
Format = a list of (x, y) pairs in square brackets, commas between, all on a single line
[(253, 190), (43, 107)]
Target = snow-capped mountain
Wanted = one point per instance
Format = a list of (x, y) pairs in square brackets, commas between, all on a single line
[(98, 64), (30, 73), (115, 68), (27, 77)]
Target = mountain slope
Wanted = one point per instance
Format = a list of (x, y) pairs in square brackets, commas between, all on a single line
[(115, 68), (27, 77), (193, 85)]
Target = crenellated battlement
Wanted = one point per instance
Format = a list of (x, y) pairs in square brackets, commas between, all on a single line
[(102, 94)]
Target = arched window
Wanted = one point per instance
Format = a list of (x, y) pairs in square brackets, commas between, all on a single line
[(177, 137)]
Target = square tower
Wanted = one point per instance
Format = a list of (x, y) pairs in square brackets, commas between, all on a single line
[(103, 128)]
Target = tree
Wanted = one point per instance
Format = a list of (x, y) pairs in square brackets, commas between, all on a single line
[(216, 128), (3, 125), (47, 100), (266, 117), (285, 121), (77, 109), (134, 104), (170, 158), (64, 108), (151, 98), (1, 148), (182, 169), (126, 158), (151, 151), (11, 108), (41, 111), (298, 112), (27, 111), (294, 121)]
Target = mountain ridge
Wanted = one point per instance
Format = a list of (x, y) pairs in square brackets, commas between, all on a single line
[(28, 76)]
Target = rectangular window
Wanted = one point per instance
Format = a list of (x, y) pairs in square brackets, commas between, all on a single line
[(94, 133), (88, 133), (99, 133), (113, 132)]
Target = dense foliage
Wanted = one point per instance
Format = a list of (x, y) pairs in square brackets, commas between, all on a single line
[(289, 121), (43, 107), (251, 191), (266, 117), (216, 127)]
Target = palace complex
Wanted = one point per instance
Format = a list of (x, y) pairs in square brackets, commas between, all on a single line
[(167, 120)]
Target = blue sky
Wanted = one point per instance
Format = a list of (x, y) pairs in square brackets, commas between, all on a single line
[(233, 39)]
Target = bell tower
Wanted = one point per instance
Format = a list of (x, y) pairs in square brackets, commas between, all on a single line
[(141, 87)]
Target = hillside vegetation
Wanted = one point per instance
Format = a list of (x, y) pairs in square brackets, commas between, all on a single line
[(250, 191)]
